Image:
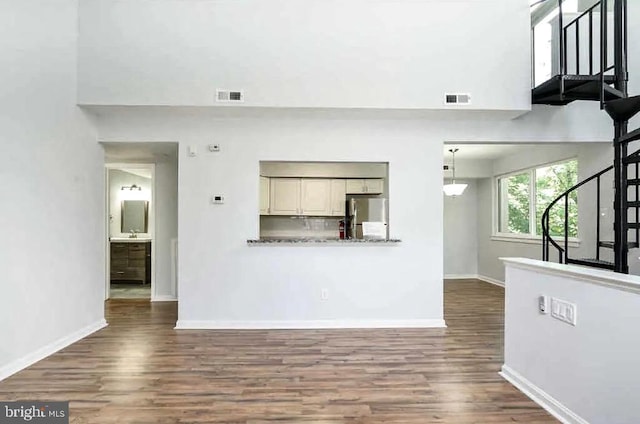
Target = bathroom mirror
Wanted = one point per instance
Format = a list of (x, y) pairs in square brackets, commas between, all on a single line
[(134, 216)]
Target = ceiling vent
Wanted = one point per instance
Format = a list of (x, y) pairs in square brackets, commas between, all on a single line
[(229, 96), (457, 99)]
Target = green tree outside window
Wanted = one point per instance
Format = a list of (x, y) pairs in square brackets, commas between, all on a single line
[(516, 197)]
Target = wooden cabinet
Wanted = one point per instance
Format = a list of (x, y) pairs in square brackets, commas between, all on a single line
[(365, 186), (131, 261), (264, 196), (315, 197), (306, 196), (338, 197), (284, 196)]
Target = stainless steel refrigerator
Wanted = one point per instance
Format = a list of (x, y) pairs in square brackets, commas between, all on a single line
[(372, 212)]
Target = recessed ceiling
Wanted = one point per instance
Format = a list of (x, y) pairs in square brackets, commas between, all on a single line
[(140, 152)]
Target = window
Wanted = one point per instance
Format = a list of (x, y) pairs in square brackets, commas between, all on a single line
[(523, 197)]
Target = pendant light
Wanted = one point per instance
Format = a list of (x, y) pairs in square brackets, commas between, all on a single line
[(454, 189)]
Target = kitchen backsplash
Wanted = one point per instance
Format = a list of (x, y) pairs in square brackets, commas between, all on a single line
[(299, 226)]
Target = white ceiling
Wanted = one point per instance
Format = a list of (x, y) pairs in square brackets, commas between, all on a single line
[(483, 151), (140, 152), (144, 173)]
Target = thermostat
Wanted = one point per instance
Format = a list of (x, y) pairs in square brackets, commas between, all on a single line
[(217, 199)]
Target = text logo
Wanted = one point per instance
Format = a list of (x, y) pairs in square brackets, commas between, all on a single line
[(34, 412)]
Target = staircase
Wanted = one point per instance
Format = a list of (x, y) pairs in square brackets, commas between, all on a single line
[(586, 74)]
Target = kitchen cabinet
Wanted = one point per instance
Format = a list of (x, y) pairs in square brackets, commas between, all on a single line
[(131, 261), (365, 186), (338, 197), (306, 196), (315, 197), (264, 196), (284, 195)]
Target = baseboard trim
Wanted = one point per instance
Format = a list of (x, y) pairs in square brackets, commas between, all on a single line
[(301, 325), (48, 350), (164, 298), (474, 277), (491, 280), (542, 398), (460, 276)]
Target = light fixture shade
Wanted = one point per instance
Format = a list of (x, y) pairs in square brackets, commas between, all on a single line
[(454, 189)]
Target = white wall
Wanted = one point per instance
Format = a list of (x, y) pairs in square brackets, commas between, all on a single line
[(315, 53), (591, 159), (225, 282), (461, 233), (468, 168), (52, 192), (166, 197), (591, 369)]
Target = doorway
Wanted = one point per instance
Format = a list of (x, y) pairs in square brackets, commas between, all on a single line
[(131, 230), (141, 193)]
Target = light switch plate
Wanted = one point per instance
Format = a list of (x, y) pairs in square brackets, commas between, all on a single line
[(564, 311)]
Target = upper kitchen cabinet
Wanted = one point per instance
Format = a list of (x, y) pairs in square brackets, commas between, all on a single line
[(284, 196), (338, 197), (180, 52), (264, 196), (300, 196), (315, 197), (365, 186)]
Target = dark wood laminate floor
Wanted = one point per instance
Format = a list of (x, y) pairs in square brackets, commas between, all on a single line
[(140, 370)]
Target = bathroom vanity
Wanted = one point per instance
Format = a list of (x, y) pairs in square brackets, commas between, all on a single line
[(131, 260)]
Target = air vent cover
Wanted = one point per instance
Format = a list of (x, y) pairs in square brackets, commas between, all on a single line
[(457, 99), (230, 96)]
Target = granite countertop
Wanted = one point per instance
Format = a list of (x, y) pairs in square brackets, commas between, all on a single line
[(291, 240)]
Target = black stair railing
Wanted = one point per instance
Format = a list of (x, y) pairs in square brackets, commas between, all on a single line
[(607, 84), (580, 57), (547, 239), (573, 28), (562, 248)]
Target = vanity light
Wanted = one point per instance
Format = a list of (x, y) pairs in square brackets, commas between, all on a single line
[(454, 189), (131, 187)]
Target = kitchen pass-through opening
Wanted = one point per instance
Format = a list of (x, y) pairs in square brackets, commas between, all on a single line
[(324, 200)]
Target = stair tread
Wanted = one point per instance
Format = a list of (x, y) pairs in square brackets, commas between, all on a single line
[(592, 262), (609, 244), (623, 109)]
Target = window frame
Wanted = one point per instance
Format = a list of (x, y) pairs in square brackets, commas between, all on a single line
[(531, 237)]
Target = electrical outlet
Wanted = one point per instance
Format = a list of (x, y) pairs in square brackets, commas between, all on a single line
[(217, 199), (564, 311), (324, 294)]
